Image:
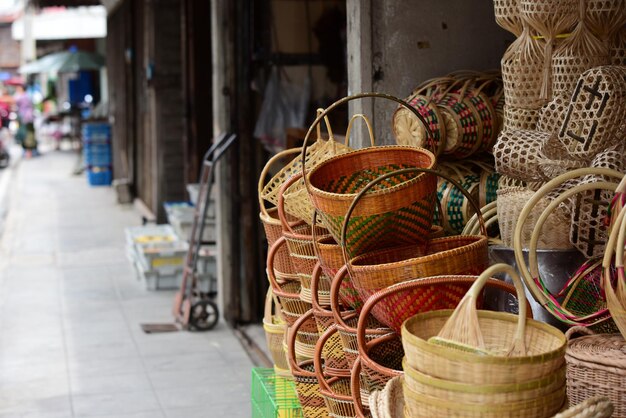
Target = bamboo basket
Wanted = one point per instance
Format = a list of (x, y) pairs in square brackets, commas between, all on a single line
[(335, 361), (275, 329), (408, 130), (283, 265), (617, 48), (360, 396), (517, 154), (389, 402), (400, 211), (520, 349), (464, 126), (552, 114), (596, 407), (335, 390), (307, 385), (530, 270), (596, 366), (374, 271), (315, 153), (604, 18), (347, 327), (508, 16), (595, 113)]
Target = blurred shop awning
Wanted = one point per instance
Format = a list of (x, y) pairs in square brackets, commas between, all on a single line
[(70, 23)]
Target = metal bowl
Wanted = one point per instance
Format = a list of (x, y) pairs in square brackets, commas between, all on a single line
[(556, 267)]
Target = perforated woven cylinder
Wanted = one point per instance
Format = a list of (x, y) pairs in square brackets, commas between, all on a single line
[(516, 154), (522, 66), (507, 15), (590, 209), (552, 115), (554, 159), (549, 17), (520, 118), (575, 55), (595, 116), (511, 201), (604, 17), (617, 48), (463, 125)]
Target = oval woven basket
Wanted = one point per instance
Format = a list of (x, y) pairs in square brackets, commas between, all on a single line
[(596, 366), (398, 211), (408, 130), (275, 329), (534, 349)]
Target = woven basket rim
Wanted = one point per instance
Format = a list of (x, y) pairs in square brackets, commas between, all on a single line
[(454, 354), (349, 197), (476, 241), (414, 374), (602, 358), (482, 407)]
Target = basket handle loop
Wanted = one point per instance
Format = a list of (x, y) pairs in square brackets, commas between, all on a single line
[(367, 123), (527, 273), (344, 101), (355, 388), (315, 278), (552, 305), (335, 306), (292, 332), (331, 137), (616, 303), (281, 202), (359, 196), (318, 363), (266, 169), (465, 316), (573, 331), (271, 255), (416, 284)]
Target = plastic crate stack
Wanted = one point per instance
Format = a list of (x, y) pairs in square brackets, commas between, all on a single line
[(97, 153)]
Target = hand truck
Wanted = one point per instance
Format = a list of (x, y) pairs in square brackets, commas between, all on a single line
[(194, 309)]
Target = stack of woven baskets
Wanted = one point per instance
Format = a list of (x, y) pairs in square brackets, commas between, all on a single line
[(564, 109)]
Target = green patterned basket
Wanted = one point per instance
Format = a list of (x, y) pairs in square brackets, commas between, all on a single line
[(397, 211)]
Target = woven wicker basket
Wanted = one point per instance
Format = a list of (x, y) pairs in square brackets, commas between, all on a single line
[(408, 130), (275, 328), (535, 349), (399, 211), (283, 266), (596, 407), (517, 154), (507, 15), (307, 385), (522, 72), (520, 118), (596, 366), (604, 18), (575, 55), (334, 388), (530, 269), (617, 48), (360, 396), (552, 114), (464, 126), (335, 361), (595, 114)]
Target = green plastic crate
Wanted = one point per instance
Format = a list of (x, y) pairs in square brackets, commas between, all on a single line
[(273, 396)]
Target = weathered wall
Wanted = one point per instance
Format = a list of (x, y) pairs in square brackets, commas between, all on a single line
[(412, 41)]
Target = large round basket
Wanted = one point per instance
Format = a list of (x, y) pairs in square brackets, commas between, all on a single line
[(596, 366), (498, 348), (397, 211)]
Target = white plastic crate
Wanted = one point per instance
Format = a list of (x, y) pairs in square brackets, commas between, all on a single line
[(148, 235), (165, 258), (160, 280), (183, 227)]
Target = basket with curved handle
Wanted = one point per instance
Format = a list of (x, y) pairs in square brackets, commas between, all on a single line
[(616, 301), (361, 402), (284, 268), (333, 184), (530, 271), (275, 329), (336, 388), (315, 152), (483, 347), (374, 271), (299, 239), (307, 385), (333, 355), (297, 202), (414, 289)]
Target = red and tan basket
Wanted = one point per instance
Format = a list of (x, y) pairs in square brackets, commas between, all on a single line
[(408, 130), (379, 269)]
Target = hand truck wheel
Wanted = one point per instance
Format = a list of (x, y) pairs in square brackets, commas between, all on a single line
[(204, 315)]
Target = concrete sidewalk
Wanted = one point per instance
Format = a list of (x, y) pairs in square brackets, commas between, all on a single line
[(70, 309)]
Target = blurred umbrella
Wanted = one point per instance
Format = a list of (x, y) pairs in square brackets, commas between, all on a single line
[(64, 62)]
